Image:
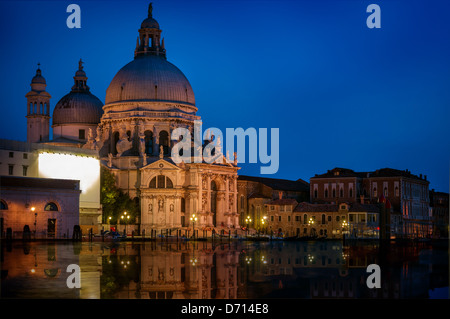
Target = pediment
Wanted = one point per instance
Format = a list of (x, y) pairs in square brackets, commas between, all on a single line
[(160, 164)]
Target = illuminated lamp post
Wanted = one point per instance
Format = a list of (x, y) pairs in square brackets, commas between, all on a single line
[(248, 220), (310, 223), (125, 218), (344, 225), (193, 220)]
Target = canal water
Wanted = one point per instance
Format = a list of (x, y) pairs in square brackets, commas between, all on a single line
[(228, 270)]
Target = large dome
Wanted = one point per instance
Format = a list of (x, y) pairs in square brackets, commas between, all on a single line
[(78, 107), (150, 78)]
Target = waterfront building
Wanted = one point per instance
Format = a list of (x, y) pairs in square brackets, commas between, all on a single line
[(288, 218), (41, 207), (255, 192), (41, 161), (406, 195)]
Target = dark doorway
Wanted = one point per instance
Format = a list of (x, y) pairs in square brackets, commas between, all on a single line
[(51, 227)]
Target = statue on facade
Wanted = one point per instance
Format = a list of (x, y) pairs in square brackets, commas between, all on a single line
[(110, 156), (161, 151)]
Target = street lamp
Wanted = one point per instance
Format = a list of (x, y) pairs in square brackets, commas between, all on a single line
[(248, 220), (311, 223), (126, 218), (193, 220), (344, 225)]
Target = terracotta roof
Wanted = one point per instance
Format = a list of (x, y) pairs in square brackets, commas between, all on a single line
[(278, 184), (341, 172), (258, 195), (41, 183), (308, 207), (283, 201), (318, 208), (357, 207)]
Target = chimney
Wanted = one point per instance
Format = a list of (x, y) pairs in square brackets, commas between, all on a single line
[(425, 176), (280, 194)]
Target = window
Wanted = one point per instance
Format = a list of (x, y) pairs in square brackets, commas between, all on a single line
[(3, 205), (315, 193), (11, 154), (164, 141), (183, 205), (326, 193), (289, 218), (81, 134), (25, 168), (342, 206), (271, 218), (323, 219), (341, 192), (375, 192), (51, 207), (279, 218), (351, 192), (385, 192), (329, 218), (25, 155), (281, 208), (334, 192), (305, 219), (148, 139), (161, 181), (397, 191), (337, 218), (11, 169), (272, 207), (298, 218)]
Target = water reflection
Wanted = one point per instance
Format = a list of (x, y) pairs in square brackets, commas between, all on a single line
[(205, 270)]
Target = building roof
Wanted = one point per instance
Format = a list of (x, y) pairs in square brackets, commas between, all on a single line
[(339, 172), (318, 208), (258, 195), (41, 183), (278, 184), (283, 201)]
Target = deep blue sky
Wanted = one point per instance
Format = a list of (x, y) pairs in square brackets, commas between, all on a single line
[(343, 95)]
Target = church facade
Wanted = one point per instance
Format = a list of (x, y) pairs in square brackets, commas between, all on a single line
[(146, 100)]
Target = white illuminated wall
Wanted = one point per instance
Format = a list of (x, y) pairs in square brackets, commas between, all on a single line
[(82, 168)]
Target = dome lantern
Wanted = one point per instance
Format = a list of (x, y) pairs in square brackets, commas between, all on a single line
[(149, 40)]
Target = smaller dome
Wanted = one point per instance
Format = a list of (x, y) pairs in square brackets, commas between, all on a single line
[(78, 107), (150, 23), (38, 78), (80, 73)]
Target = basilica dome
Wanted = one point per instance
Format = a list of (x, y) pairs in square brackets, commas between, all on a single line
[(150, 78), (80, 105)]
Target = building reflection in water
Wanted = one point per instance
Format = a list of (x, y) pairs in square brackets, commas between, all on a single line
[(205, 270)]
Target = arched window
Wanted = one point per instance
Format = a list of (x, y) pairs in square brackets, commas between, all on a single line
[(334, 192), (385, 192), (51, 207), (375, 192), (30, 110), (3, 205), (350, 192), (115, 139), (341, 192), (164, 141), (396, 191), (315, 193), (161, 181), (326, 193), (148, 142), (41, 108)]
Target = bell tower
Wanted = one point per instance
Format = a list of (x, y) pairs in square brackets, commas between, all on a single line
[(38, 110)]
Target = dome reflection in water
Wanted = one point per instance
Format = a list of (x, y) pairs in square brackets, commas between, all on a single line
[(223, 270)]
